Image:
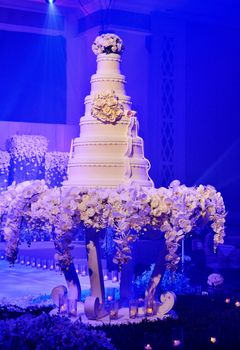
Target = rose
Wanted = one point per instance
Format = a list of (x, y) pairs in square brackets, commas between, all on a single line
[(107, 43), (215, 279)]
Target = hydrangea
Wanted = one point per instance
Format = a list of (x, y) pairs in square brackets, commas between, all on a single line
[(46, 332)]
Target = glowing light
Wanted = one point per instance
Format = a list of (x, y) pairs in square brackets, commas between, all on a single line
[(213, 340), (237, 304), (50, 2), (176, 343), (148, 347), (227, 300)]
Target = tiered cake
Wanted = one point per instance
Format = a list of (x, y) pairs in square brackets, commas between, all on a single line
[(109, 151)]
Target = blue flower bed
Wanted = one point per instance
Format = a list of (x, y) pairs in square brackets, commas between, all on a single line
[(46, 332)]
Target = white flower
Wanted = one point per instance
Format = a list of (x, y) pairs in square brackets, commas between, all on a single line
[(215, 279), (106, 107), (25, 147), (4, 162), (107, 43)]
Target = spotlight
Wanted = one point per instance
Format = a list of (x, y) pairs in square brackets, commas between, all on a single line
[(50, 2)]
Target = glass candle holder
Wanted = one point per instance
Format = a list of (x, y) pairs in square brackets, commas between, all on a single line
[(105, 275), (72, 307), (133, 308), (33, 262), (114, 276), (113, 310), (62, 306), (177, 338), (44, 264), (51, 265), (148, 307), (38, 263), (141, 308), (27, 261), (83, 270)]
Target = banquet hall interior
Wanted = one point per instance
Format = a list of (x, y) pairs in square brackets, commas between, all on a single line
[(180, 60)]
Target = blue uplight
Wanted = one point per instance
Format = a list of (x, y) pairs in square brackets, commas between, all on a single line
[(50, 2)]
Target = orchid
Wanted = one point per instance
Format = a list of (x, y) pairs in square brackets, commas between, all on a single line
[(129, 210)]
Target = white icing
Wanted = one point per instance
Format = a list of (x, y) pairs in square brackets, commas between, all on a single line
[(108, 154)]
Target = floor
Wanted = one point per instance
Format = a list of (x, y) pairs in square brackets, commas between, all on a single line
[(21, 284)]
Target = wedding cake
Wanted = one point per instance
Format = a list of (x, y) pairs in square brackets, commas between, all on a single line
[(108, 152)]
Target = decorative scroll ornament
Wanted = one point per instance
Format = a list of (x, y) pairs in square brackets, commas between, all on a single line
[(106, 107), (107, 43)]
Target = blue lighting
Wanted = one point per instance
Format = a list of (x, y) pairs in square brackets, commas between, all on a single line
[(50, 2)]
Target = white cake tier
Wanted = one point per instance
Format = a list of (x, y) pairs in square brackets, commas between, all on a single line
[(94, 128), (107, 173), (108, 75), (108, 63), (105, 148)]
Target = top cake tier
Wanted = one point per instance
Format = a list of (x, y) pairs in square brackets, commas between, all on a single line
[(108, 75)]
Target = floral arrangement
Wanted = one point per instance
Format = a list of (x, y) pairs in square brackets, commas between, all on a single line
[(56, 164), (4, 169), (171, 280), (4, 162), (23, 147), (27, 154), (106, 107), (46, 332), (215, 279), (107, 43), (175, 211)]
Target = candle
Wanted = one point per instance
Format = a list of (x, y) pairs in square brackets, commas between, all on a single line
[(133, 308), (83, 270), (213, 340), (149, 307), (63, 308), (72, 307), (149, 311), (148, 347), (113, 310), (114, 276), (141, 312), (62, 304), (176, 343)]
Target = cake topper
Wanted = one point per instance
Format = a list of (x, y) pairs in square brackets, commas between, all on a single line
[(108, 43)]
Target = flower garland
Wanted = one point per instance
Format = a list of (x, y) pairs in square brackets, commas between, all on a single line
[(56, 164), (107, 43), (24, 147), (176, 211), (106, 107)]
